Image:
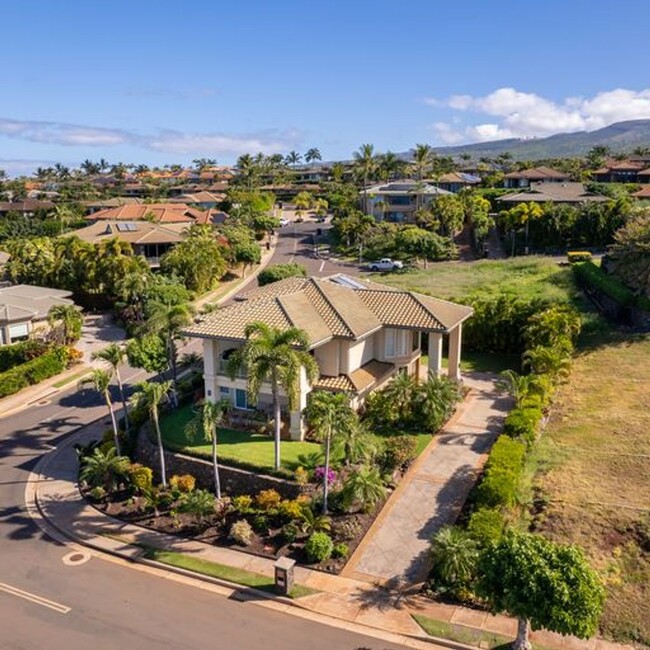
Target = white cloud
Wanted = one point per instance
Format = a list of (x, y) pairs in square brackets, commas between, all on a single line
[(169, 141), (523, 115)]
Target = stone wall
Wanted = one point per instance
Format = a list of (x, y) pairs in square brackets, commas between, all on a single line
[(234, 481)]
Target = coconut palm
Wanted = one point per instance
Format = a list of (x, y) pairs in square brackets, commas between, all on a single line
[(69, 319), (149, 396), (279, 357), (115, 354), (422, 158), (366, 163), (101, 382), (293, 158), (328, 413), (312, 154), (168, 321), (207, 421)]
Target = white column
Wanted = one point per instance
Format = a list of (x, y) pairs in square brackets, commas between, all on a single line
[(435, 353), (455, 337), (210, 369), (297, 425)]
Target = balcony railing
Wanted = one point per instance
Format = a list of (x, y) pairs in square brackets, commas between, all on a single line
[(223, 370)]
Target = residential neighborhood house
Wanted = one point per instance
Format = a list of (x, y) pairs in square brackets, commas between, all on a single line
[(398, 200), (361, 333), (554, 193)]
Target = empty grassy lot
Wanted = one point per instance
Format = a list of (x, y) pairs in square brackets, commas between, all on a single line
[(591, 476)]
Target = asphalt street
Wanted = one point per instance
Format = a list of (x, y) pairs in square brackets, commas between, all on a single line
[(47, 604)]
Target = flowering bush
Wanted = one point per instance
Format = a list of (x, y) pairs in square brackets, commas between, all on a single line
[(242, 503), (319, 474), (268, 499)]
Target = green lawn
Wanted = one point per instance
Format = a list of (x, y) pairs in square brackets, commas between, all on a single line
[(483, 362), (235, 446), (525, 277), (242, 447)]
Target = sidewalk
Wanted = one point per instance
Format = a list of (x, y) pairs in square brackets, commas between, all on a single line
[(388, 608), (433, 492)]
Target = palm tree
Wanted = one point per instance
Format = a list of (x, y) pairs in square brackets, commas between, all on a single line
[(70, 320), (365, 487), (101, 382), (365, 162), (354, 443), (168, 321), (105, 469), (293, 158), (555, 362), (518, 386), (435, 400), (455, 557), (115, 354), (207, 421), (422, 158), (279, 357), (400, 392), (150, 395), (328, 413), (312, 154), (64, 214)]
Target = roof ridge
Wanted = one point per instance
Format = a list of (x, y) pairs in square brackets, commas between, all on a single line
[(417, 299), (351, 332)]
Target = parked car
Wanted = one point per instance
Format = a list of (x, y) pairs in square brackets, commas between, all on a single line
[(284, 222), (386, 264)]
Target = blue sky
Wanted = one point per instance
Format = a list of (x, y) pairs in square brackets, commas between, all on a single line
[(162, 82)]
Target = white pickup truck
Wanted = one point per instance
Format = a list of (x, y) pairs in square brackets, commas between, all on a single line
[(386, 264)]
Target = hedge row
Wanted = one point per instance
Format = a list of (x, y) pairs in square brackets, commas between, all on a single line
[(590, 274), (502, 473), (19, 353), (34, 371)]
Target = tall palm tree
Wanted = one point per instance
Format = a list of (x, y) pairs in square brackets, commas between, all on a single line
[(422, 158), (168, 321), (313, 154), (279, 357), (150, 395), (101, 382), (207, 421), (365, 161), (328, 413), (293, 158), (115, 354)]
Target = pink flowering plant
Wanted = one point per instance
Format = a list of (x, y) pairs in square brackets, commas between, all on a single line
[(319, 474)]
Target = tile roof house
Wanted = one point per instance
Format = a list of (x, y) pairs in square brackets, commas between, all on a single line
[(526, 177), (621, 171), (151, 240), (156, 212), (202, 200), (361, 334), (456, 181), (24, 307), (643, 193), (29, 207), (554, 193), (398, 200)]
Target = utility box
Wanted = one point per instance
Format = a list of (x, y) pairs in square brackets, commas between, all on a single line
[(284, 569)]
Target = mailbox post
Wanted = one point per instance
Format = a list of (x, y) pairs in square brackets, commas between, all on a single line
[(284, 575)]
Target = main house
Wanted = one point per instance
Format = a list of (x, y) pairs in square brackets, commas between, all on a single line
[(399, 200), (361, 334)]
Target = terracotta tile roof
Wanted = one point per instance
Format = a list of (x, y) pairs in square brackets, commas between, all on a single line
[(370, 374), (537, 173), (643, 193), (139, 232), (554, 192), (335, 307), (161, 213), (339, 383)]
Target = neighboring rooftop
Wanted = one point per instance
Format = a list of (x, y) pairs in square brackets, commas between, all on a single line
[(541, 173), (333, 307), (22, 302), (155, 212), (554, 193), (405, 187), (133, 232)]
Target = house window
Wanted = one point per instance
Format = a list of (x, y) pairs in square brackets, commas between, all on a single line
[(389, 343), (224, 391), (241, 400), (397, 343), (18, 332)]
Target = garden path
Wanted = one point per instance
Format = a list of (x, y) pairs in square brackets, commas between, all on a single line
[(431, 495)]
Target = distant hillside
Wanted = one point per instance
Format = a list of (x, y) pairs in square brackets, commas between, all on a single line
[(622, 136)]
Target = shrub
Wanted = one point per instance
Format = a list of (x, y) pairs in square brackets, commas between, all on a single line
[(277, 272), (141, 477), (34, 371), (199, 503), (289, 533), (184, 483), (319, 547), (502, 473), (590, 274), (578, 256), (97, 493), (522, 423), (241, 532), (486, 525), (365, 487), (346, 529), (105, 469), (340, 550), (19, 353), (290, 510), (301, 476), (398, 452), (455, 557), (268, 499), (242, 504), (260, 523)]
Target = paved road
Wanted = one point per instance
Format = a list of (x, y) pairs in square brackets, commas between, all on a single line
[(101, 604)]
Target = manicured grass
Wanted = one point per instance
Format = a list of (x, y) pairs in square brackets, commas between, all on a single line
[(591, 469), (524, 277), (237, 446), (222, 571), (70, 379)]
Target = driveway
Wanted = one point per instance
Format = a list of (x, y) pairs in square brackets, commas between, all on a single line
[(396, 547), (97, 332)]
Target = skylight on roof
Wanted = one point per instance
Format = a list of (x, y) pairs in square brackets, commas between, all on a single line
[(127, 227), (347, 281)]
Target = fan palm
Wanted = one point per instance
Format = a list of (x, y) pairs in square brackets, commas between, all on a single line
[(279, 357), (101, 382), (115, 354), (207, 421), (150, 396)]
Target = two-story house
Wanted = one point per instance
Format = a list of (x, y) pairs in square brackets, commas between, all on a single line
[(361, 334), (399, 200)]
